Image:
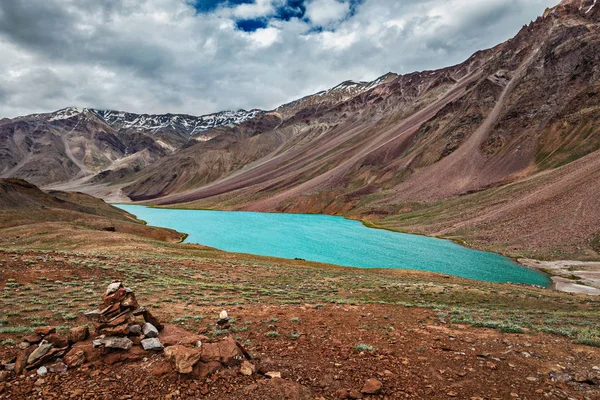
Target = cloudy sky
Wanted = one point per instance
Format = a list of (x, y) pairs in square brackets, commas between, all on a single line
[(202, 56)]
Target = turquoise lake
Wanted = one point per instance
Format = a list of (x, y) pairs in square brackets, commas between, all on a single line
[(334, 240)]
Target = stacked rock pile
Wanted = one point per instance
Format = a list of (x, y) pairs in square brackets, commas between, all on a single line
[(122, 329), (116, 321)]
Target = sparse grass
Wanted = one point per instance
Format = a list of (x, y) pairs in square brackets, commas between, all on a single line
[(192, 279), (272, 334), (363, 347)]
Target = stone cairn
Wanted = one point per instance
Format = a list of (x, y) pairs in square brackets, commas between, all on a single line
[(124, 331), (115, 320)]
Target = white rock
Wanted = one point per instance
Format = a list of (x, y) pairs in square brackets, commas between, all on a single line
[(273, 374), (149, 330), (152, 344), (223, 315), (113, 287), (41, 371)]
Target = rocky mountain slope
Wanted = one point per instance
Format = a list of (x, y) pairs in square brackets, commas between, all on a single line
[(72, 143)]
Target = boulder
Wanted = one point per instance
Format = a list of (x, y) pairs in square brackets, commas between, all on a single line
[(204, 370), (284, 389), (95, 316), (44, 330), (119, 330), (372, 386), (21, 361), (112, 342), (113, 287), (184, 358), (50, 355), (135, 354), (148, 317), (149, 330), (129, 301), (58, 367), (78, 334), (58, 340), (247, 368), (226, 352), (172, 335), (75, 358), (39, 352), (135, 330), (34, 338), (152, 344)]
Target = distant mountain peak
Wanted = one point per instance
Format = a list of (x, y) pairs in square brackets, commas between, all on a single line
[(187, 124)]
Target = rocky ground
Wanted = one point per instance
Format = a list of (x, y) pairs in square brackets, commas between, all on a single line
[(327, 334)]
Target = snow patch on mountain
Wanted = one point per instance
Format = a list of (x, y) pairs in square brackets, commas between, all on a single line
[(187, 124)]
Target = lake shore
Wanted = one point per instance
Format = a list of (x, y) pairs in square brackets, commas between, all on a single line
[(581, 277)]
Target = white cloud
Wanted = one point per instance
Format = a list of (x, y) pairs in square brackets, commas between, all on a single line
[(325, 12), (162, 56)]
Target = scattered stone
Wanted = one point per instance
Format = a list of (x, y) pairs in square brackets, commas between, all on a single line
[(9, 366), (372, 386), (78, 334), (149, 330), (223, 321), (184, 358), (135, 330), (152, 344), (41, 371), (247, 368), (273, 374), (39, 352), (4, 375), (355, 394), (58, 367), (75, 357), (45, 330)]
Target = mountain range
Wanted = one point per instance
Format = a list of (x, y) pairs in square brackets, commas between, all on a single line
[(484, 151)]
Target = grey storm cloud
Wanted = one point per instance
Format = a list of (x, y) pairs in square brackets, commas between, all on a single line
[(164, 56)]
